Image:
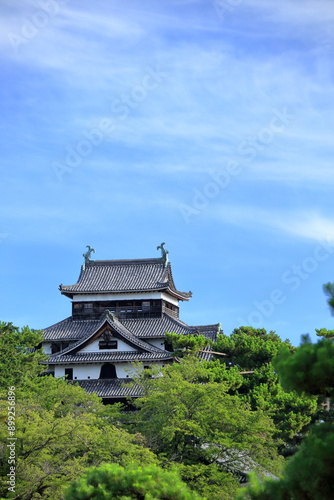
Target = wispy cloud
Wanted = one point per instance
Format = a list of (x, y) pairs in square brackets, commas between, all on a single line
[(298, 224), (226, 80), (298, 13)]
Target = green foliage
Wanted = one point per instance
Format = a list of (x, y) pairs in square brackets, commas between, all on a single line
[(193, 422), (323, 332), (308, 474), (310, 369), (112, 481), (63, 397), (204, 418), (181, 344), (215, 371), (291, 412), (210, 481), (329, 291), (19, 357), (249, 348), (58, 438), (269, 489), (253, 349)]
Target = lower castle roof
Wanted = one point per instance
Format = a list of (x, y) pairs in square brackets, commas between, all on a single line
[(102, 357), (70, 329), (112, 388)]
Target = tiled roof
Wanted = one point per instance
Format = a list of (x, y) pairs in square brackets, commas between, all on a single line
[(206, 354), (120, 276), (102, 357), (111, 320), (112, 388), (157, 327), (69, 329), (128, 335)]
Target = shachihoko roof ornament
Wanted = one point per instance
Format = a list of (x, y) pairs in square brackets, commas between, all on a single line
[(164, 253), (87, 255)]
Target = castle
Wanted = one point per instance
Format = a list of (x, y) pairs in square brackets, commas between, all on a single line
[(121, 310)]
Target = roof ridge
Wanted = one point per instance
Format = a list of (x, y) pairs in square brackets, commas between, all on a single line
[(156, 260), (207, 326)]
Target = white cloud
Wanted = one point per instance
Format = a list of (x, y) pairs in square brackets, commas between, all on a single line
[(310, 226), (299, 224)]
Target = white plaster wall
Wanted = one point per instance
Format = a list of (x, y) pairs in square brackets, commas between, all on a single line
[(47, 347), (125, 370), (170, 299), (82, 372), (125, 296), (94, 346), (60, 370), (156, 343)]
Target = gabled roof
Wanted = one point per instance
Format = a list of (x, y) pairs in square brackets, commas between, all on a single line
[(124, 276), (120, 331)]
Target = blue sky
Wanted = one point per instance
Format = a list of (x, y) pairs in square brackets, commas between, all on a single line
[(204, 124)]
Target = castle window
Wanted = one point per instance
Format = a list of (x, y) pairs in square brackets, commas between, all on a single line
[(69, 373), (55, 347), (58, 346)]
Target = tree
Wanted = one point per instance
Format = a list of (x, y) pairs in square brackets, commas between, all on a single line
[(328, 288), (189, 420), (194, 422), (309, 473), (329, 291), (310, 369), (60, 431), (252, 351), (112, 481), (20, 356), (249, 348), (183, 344), (209, 480), (323, 332)]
